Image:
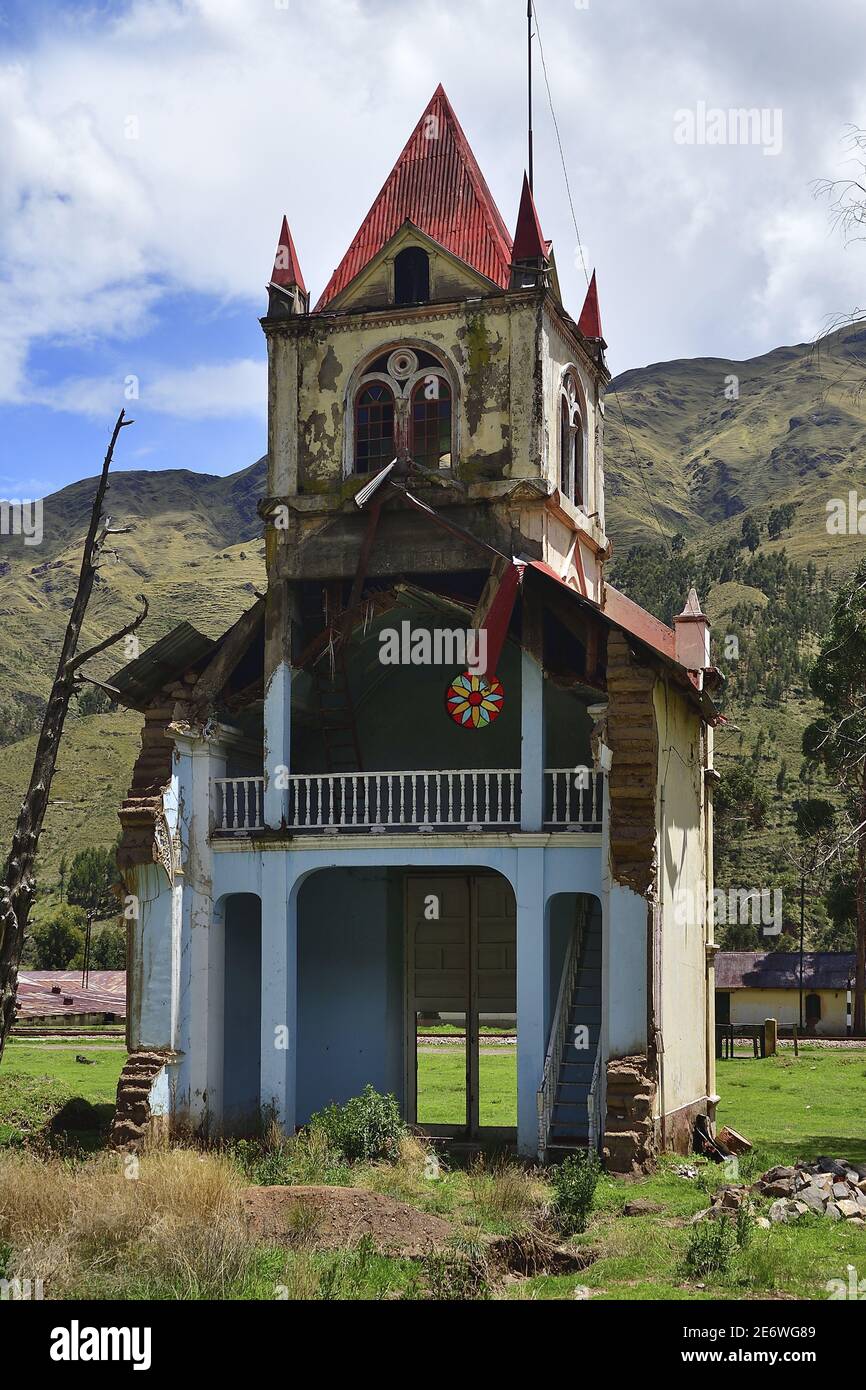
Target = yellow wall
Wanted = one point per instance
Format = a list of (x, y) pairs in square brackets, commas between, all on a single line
[(754, 1005)]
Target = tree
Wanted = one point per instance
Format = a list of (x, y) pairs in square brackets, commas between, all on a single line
[(108, 949), (782, 777), (64, 871), (59, 940), (838, 738), (93, 878), (19, 884), (751, 536)]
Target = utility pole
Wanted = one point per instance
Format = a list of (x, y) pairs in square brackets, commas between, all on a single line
[(529, 70)]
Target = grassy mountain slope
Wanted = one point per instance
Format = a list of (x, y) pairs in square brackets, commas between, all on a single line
[(795, 434)]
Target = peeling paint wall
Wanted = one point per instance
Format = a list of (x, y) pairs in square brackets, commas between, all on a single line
[(489, 345), (681, 984)]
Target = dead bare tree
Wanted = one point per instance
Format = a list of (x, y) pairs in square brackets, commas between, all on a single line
[(18, 886)]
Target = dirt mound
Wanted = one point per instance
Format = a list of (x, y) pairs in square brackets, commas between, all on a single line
[(332, 1218)]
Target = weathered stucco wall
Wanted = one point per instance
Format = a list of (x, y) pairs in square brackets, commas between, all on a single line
[(314, 364), (681, 960)]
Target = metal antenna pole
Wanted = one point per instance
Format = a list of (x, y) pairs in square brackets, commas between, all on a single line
[(529, 68)]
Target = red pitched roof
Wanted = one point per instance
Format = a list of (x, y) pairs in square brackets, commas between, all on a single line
[(287, 269), (529, 243), (437, 185), (589, 323)]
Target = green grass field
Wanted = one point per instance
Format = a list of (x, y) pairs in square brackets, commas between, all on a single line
[(442, 1086), (798, 1107), (788, 1107)]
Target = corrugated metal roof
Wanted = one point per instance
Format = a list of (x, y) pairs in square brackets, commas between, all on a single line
[(781, 969), (106, 993), (437, 185), (168, 658)]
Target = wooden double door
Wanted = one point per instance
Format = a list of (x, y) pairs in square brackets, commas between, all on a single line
[(461, 993)]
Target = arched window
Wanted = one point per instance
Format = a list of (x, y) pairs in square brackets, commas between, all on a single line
[(571, 443), (401, 401), (430, 430), (412, 276), (374, 427)]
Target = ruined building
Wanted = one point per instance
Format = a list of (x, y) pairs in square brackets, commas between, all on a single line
[(350, 822)]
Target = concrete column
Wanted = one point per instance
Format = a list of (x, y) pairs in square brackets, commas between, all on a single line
[(279, 1021), (531, 743), (200, 1022), (278, 743), (532, 973)]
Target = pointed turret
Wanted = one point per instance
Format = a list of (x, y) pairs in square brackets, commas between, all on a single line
[(288, 293), (529, 243), (589, 323)]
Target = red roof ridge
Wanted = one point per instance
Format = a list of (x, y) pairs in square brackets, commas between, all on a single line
[(438, 186)]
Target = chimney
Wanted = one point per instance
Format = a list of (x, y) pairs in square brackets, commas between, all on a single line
[(692, 628)]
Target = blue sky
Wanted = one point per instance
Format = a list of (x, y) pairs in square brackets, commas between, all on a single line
[(149, 150)]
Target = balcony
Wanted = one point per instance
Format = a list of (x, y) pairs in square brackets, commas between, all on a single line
[(380, 802)]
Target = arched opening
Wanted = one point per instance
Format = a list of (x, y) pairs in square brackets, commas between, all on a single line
[(374, 427), (407, 981), (572, 1017), (412, 276), (431, 422)]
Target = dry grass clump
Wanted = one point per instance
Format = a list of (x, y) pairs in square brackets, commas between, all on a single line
[(503, 1191), (168, 1223)]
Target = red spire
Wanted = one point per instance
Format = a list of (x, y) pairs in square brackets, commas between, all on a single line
[(529, 243), (436, 185), (287, 271), (589, 323)]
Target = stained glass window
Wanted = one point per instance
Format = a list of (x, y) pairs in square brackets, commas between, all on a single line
[(474, 702)]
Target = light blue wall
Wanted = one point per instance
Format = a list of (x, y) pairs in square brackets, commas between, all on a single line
[(242, 1005), (350, 986)]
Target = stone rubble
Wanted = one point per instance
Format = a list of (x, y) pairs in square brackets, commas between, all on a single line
[(829, 1187)]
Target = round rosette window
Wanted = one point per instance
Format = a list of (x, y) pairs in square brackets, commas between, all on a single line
[(473, 702)]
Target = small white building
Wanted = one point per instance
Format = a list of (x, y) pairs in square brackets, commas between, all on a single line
[(752, 986)]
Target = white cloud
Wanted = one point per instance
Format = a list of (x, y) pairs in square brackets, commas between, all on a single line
[(217, 391), (242, 109)]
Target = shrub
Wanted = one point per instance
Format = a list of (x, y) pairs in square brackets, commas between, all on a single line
[(368, 1127), (710, 1249), (574, 1183), (458, 1273)]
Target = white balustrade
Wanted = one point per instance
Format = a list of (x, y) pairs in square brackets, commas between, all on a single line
[(454, 798)]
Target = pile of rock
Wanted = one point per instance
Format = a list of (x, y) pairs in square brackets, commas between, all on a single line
[(828, 1187)]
